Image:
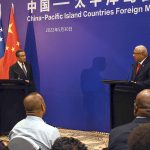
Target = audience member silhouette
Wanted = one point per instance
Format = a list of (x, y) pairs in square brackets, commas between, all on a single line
[(68, 143), (139, 139), (33, 125), (118, 139)]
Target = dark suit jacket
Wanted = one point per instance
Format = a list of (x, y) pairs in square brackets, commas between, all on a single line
[(16, 72), (118, 139), (143, 76)]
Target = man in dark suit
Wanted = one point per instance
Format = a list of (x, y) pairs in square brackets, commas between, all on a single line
[(141, 68), (22, 70), (118, 139), (139, 138)]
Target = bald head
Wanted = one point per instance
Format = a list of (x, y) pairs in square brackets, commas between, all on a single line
[(140, 52), (141, 49), (34, 104), (142, 103)]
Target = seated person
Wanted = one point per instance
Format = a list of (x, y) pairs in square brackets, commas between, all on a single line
[(139, 138), (118, 138), (33, 125), (66, 143)]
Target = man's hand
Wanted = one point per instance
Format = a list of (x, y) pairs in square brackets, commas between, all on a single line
[(27, 81), (133, 82)]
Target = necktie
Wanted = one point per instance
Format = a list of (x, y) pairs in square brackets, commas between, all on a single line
[(138, 68), (24, 70)]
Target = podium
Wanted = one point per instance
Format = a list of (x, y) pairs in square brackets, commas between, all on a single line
[(122, 96), (12, 93)]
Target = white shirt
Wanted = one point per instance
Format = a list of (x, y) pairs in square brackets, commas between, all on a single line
[(35, 128)]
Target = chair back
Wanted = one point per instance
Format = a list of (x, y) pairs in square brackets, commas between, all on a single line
[(22, 143)]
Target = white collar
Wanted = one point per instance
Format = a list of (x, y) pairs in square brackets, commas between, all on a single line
[(20, 63), (142, 61)]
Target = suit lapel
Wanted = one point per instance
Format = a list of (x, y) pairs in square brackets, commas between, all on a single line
[(27, 69), (142, 66), (20, 70)]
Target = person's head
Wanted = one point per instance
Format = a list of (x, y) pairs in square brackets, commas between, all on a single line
[(140, 52), (142, 104), (139, 138), (21, 55), (3, 146), (34, 104), (68, 143)]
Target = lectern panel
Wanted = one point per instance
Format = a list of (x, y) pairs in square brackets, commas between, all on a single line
[(122, 107), (12, 110), (122, 95)]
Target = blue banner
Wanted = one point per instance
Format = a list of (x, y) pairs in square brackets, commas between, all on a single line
[(79, 43)]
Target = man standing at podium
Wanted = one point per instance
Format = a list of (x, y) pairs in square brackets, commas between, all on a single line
[(141, 68), (22, 70)]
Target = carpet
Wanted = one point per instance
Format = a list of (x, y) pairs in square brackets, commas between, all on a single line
[(93, 140)]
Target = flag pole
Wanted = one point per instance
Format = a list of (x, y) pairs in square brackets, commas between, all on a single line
[(12, 7)]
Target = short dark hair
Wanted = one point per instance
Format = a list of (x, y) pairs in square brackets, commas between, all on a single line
[(139, 138), (68, 143), (18, 51)]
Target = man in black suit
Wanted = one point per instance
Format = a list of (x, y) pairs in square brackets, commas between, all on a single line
[(118, 139), (22, 70), (141, 68), (139, 138)]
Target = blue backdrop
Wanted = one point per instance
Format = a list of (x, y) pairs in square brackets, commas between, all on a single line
[(74, 55)]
